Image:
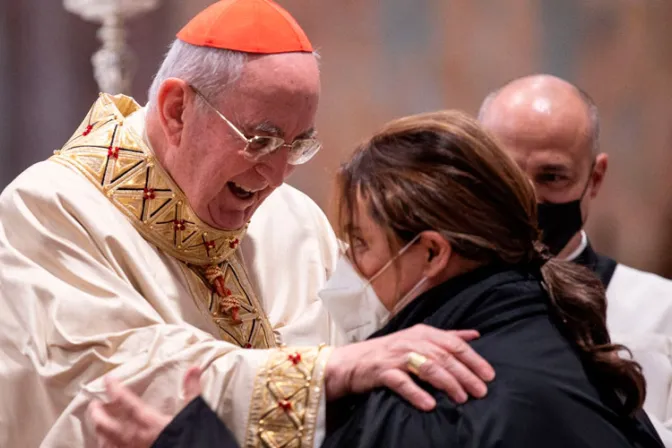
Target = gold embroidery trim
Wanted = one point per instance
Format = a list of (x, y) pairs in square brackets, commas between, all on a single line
[(117, 160), (255, 331), (286, 398)]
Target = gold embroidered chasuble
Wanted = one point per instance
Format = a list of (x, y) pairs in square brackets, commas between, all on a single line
[(119, 162), (144, 309)]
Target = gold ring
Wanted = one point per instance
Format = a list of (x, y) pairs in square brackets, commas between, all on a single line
[(414, 362)]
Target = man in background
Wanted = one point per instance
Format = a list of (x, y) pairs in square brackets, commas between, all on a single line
[(551, 129)]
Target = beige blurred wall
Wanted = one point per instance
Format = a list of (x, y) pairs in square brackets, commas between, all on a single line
[(382, 59)]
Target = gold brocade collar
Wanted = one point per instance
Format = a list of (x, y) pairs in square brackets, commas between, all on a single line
[(117, 160)]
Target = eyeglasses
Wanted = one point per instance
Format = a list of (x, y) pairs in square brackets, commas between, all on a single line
[(258, 146)]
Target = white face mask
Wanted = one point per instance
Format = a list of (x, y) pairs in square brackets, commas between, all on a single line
[(353, 303)]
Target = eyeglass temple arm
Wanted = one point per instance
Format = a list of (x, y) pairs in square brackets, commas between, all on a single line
[(231, 125)]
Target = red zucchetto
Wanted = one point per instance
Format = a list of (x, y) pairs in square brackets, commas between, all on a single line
[(250, 26)]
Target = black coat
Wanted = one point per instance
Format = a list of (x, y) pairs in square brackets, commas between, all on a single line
[(543, 394)]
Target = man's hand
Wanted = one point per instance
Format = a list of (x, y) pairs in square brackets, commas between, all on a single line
[(125, 421), (452, 365)]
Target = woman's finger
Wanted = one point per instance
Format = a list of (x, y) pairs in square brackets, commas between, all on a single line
[(402, 384), (125, 421), (123, 402), (109, 429), (191, 383), (102, 443)]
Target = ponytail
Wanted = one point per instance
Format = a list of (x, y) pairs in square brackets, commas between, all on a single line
[(578, 300)]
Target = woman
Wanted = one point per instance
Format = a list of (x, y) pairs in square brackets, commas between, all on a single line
[(441, 227)]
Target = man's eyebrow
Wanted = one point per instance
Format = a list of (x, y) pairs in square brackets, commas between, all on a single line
[(553, 168), (310, 133), (268, 128)]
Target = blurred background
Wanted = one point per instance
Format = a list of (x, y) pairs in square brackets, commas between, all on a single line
[(386, 58)]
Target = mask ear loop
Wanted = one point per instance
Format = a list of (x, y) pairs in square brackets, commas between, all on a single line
[(391, 260), (408, 297), (410, 294)]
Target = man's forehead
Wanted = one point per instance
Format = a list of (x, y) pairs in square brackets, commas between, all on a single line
[(546, 140), (290, 72), (277, 95), (541, 124)]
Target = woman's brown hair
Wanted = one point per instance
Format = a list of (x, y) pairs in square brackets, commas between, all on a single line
[(440, 171)]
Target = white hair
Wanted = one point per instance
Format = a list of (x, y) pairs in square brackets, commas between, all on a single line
[(210, 70)]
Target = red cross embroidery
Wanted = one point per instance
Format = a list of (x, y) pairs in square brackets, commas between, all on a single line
[(295, 358), (286, 405), (149, 193)]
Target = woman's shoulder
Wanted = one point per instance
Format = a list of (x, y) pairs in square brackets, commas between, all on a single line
[(500, 299), (383, 418), (520, 409)]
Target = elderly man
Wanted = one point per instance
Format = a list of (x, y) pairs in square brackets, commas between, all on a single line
[(129, 253), (551, 129)]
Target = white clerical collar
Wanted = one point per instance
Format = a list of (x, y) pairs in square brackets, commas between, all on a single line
[(582, 246)]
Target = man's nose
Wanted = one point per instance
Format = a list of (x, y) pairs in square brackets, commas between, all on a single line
[(273, 167)]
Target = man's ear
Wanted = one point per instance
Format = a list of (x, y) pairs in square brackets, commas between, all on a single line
[(438, 251), (173, 96), (599, 172)]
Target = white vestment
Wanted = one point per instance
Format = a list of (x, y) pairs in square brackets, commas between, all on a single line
[(103, 271), (639, 316)]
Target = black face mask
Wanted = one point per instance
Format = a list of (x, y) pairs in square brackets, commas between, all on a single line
[(559, 222)]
